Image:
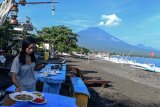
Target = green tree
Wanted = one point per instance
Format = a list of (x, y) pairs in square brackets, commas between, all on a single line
[(82, 50), (6, 34), (60, 38)]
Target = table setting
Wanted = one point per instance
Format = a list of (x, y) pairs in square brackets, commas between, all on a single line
[(46, 100), (47, 72), (32, 97), (52, 77)]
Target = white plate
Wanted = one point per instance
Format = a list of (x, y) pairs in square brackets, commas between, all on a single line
[(58, 72), (52, 73), (40, 94), (45, 101), (13, 95)]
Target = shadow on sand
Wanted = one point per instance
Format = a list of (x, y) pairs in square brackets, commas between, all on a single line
[(85, 72), (97, 100)]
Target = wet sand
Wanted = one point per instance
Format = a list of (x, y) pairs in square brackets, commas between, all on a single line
[(125, 90)]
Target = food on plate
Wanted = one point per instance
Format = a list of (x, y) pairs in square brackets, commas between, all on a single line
[(23, 97), (39, 100), (58, 72), (39, 94)]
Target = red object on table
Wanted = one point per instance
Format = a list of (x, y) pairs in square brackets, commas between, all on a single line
[(39, 100)]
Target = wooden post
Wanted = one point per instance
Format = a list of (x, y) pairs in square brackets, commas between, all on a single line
[(81, 99)]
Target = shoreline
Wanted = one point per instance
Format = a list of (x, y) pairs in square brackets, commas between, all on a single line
[(130, 90), (147, 78)]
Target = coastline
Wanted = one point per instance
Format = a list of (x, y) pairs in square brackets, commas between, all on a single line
[(130, 87), (135, 74)]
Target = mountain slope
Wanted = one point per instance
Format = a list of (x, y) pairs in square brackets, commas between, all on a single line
[(97, 39)]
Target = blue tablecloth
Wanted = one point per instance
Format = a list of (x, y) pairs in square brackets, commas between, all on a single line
[(53, 100), (52, 84), (11, 88), (79, 86)]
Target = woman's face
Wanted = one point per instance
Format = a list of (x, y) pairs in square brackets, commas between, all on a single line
[(30, 49)]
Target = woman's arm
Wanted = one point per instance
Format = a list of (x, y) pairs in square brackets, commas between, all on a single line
[(39, 66), (14, 80)]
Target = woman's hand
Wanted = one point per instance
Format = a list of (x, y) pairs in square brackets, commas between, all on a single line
[(18, 89)]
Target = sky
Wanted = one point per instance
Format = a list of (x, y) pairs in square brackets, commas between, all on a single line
[(133, 21)]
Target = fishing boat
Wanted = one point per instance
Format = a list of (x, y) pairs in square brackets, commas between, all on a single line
[(152, 69)]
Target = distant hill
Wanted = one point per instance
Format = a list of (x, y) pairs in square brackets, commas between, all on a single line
[(97, 39)]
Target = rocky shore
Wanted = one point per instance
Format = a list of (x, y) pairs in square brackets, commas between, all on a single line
[(130, 87)]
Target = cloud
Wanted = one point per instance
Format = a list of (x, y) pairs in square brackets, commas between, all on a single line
[(155, 17), (150, 22), (110, 20), (78, 22)]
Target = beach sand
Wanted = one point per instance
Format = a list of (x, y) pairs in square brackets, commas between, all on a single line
[(129, 87)]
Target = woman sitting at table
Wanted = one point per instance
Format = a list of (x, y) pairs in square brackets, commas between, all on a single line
[(22, 69)]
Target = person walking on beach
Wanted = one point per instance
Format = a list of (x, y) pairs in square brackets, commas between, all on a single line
[(22, 69)]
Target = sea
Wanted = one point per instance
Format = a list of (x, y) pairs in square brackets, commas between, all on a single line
[(142, 60)]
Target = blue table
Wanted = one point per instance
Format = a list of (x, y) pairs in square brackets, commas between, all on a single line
[(53, 100), (52, 84), (11, 88), (79, 86)]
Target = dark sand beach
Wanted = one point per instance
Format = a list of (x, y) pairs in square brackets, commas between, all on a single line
[(129, 87)]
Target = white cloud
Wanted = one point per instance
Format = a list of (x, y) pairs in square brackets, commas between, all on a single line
[(150, 22), (78, 22), (101, 23), (110, 20), (155, 17)]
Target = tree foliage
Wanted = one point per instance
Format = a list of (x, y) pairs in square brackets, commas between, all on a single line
[(62, 38), (81, 50), (6, 33)]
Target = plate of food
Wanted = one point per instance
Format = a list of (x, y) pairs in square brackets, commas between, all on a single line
[(22, 96), (39, 100), (58, 72), (37, 93), (52, 73)]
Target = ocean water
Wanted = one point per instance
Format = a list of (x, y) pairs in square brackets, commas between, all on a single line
[(155, 61)]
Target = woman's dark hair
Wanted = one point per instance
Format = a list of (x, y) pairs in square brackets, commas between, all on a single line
[(25, 44)]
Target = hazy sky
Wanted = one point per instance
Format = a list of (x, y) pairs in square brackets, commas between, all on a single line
[(133, 21)]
